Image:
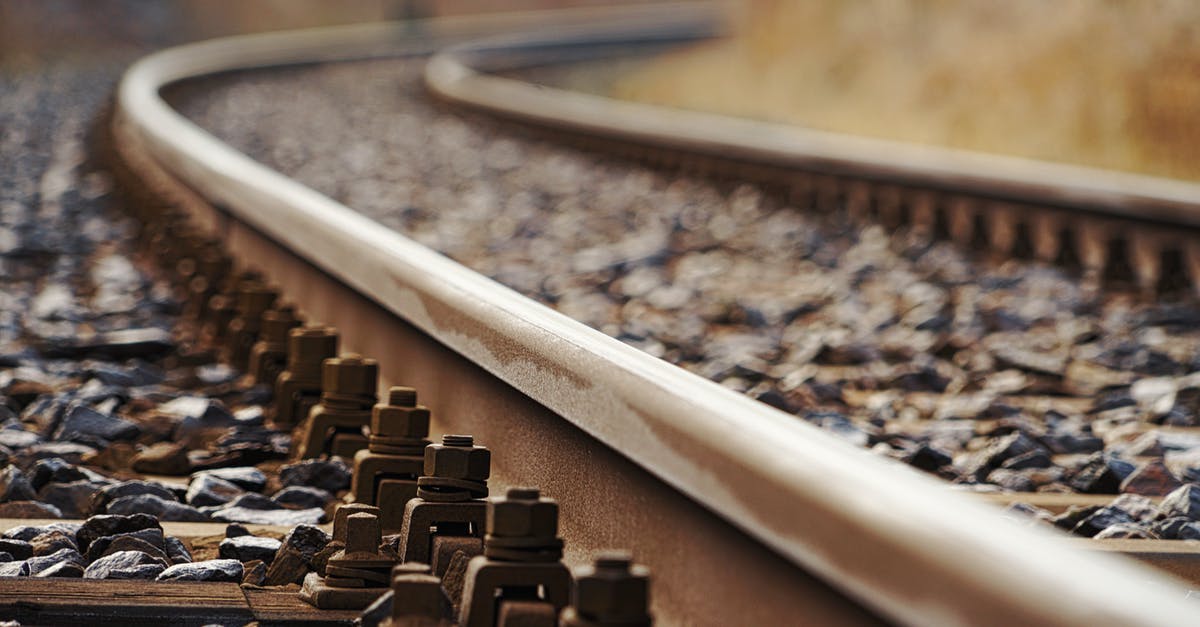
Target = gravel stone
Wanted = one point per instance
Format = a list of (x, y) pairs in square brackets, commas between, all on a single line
[(302, 497), (73, 499), (52, 542), (248, 548), (125, 565), (210, 570), (86, 424), (163, 458), (331, 475), (116, 491), (158, 507), (38, 564), (1184, 501), (18, 549), (15, 486), (208, 490), (108, 525), (247, 478), (29, 509)]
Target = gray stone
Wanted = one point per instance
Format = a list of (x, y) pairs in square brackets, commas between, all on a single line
[(63, 569), (37, 564), (281, 517), (330, 475), (101, 546), (19, 549), (1126, 531), (245, 477), (25, 533), (158, 507), (125, 565), (131, 543), (248, 548), (1177, 528), (74, 499), (129, 488), (207, 490), (302, 497), (81, 421), (110, 525), (177, 551), (15, 486), (210, 570), (54, 470), (1184, 501)]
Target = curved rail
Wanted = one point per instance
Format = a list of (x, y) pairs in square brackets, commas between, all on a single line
[(463, 74), (897, 541)]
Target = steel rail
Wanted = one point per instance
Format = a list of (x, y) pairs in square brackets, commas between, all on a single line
[(897, 541), (465, 74)]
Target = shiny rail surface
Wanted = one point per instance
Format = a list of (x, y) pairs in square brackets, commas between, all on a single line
[(733, 504)]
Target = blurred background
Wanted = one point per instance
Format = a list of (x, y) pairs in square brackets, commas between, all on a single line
[(37, 30), (1112, 84)]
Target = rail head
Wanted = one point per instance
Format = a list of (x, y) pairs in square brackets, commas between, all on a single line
[(466, 74), (899, 541)]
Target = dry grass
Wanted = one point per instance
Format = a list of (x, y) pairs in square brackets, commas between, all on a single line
[(1113, 84)]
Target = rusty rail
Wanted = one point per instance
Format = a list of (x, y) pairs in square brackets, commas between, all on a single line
[(745, 515)]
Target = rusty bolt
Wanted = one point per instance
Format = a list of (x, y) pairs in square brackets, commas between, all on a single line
[(277, 322), (614, 591), (345, 511), (363, 536), (253, 298), (308, 347), (522, 513), (457, 457), (349, 375), (417, 593), (400, 416)]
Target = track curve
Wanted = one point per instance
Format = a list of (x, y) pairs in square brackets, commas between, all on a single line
[(891, 538)]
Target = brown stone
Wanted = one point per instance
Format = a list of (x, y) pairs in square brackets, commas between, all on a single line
[(1151, 479), (164, 458)]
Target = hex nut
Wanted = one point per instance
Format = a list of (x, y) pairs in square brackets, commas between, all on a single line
[(400, 422), (472, 463), (522, 513), (614, 590), (350, 375)]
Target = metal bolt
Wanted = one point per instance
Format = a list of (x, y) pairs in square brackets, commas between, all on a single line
[(522, 526), (457, 457), (401, 396), (455, 470), (276, 323), (613, 591), (363, 536), (350, 377), (523, 513), (400, 419), (345, 511), (417, 593), (308, 347)]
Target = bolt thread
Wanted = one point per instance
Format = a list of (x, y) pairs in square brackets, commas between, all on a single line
[(458, 440), (402, 396), (523, 494), (614, 561)]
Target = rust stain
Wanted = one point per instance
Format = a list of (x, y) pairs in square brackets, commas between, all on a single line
[(505, 349)]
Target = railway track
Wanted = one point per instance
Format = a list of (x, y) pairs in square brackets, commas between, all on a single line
[(744, 514), (1108, 224)]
